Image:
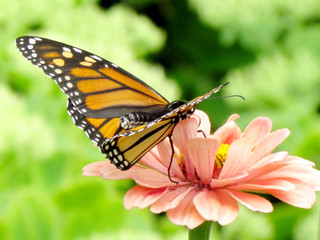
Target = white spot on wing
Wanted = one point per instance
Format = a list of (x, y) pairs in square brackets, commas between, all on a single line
[(77, 50), (58, 71), (96, 57), (65, 49), (32, 41)]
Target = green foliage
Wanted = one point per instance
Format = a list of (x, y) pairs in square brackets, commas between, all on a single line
[(244, 227), (268, 50), (308, 227)]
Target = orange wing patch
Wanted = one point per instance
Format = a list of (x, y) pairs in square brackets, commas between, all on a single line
[(52, 54), (59, 62), (109, 127), (67, 54), (119, 98), (85, 73), (97, 85), (133, 84)]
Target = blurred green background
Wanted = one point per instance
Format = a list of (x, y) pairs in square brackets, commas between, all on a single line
[(269, 50)]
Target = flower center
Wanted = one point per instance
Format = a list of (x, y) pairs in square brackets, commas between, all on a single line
[(221, 155)]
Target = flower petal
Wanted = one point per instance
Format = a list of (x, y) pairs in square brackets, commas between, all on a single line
[(93, 169), (298, 160), (253, 202), (202, 152), (291, 173), (228, 132), (204, 125), (165, 153), (153, 160), (142, 197), (271, 159), (216, 206), (264, 186), (313, 179), (107, 171), (185, 214), (208, 205), (182, 134), (222, 183), (267, 145), (233, 117), (152, 178), (299, 172), (170, 199), (237, 158), (303, 196), (230, 208), (258, 129)]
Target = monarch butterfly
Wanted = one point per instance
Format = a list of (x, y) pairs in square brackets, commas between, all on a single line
[(120, 113)]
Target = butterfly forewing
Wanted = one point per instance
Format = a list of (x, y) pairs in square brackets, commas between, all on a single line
[(99, 92), (97, 129), (96, 87)]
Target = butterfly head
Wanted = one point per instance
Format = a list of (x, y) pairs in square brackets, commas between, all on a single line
[(175, 105), (185, 108)]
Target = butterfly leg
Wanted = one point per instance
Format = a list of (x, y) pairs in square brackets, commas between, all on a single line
[(200, 131), (172, 155)]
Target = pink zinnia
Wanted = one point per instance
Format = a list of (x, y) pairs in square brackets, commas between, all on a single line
[(216, 172)]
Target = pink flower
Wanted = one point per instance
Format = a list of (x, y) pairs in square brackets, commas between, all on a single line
[(216, 172)]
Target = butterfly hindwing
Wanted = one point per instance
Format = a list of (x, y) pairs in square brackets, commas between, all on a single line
[(124, 150)]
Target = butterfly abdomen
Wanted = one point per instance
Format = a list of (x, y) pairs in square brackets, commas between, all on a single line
[(135, 119)]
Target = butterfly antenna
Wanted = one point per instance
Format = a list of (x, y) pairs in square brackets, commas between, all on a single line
[(170, 164), (227, 97)]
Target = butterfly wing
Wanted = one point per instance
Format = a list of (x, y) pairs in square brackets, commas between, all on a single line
[(99, 92), (97, 129), (125, 149)]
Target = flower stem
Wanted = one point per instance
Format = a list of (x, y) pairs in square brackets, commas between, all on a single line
[(201, 233)]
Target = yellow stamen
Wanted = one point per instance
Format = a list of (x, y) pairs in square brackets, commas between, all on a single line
[(178, 157), (221, 155)]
